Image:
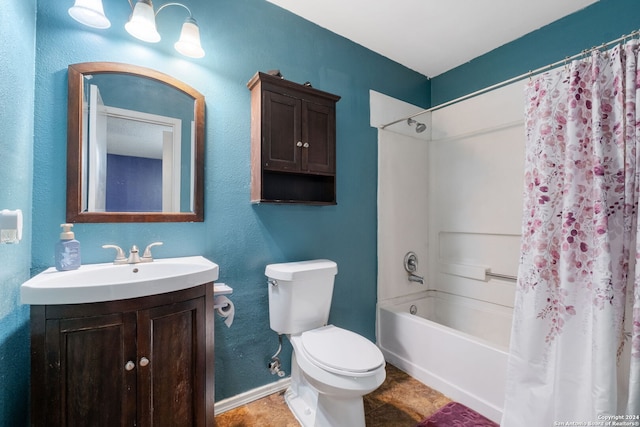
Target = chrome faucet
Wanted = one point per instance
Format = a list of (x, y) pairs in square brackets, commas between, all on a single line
[(134, 257), (411, 265), (416, 278)]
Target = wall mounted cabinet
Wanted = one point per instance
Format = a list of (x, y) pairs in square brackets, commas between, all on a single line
[(293, 142), (138, 362)]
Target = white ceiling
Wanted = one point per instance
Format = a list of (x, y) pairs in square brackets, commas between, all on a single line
[(432, 36)]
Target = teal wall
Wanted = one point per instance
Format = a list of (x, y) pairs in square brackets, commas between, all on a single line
[(599, 23), (17, 77), (240, 38)]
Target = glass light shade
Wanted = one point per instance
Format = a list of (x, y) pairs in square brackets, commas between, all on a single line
[(142, 24), (90, 13), (189, 43)]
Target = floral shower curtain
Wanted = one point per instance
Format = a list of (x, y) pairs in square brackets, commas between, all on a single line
[(575, 344)]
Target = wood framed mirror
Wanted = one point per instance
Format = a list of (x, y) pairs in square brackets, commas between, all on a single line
[(135, 146)]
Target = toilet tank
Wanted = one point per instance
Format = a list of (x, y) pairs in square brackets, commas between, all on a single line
[(300, 294)]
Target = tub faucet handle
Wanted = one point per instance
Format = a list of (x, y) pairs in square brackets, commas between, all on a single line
[(411, 262), (411, 265)]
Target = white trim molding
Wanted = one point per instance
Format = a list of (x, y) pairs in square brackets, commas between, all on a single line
[(250, 396)]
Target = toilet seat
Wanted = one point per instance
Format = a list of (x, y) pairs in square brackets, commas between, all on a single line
[(341, 351)]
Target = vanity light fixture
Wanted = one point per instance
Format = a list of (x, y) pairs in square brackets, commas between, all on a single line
[(90, 13), (142, 23)]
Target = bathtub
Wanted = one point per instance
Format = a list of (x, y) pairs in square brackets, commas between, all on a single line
[(456, 345)]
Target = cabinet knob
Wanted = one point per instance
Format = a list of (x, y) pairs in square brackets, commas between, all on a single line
[(129, 365), (299, 144), (306, 145), (144, 361)]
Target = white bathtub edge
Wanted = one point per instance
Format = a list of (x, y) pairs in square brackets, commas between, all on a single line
[(450, 390)]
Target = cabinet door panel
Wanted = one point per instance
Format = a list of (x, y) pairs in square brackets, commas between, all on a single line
[(318, 131), (95, 388), (281, 132), (293, 142), (171, 386)]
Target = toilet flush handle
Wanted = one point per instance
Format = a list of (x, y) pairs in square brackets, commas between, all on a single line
[(273, 282)]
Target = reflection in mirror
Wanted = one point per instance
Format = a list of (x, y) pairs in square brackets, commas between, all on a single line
[(135, 146)]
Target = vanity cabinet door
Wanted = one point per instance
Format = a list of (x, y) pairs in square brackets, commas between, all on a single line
[(145, 362), (88, 381), (171, 350)]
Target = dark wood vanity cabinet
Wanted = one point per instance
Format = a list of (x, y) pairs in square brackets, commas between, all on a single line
[(293, 142), (139, 362)]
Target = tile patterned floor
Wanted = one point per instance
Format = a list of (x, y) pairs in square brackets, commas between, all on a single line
[(400, 401)]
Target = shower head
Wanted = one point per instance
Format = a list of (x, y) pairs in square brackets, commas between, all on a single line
[(420, 127)]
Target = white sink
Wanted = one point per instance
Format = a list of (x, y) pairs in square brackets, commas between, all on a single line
[(107, 282)]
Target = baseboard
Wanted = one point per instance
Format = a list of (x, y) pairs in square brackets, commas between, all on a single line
[(251, 395)]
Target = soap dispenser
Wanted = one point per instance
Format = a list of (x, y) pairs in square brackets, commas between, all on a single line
[(67, 250)]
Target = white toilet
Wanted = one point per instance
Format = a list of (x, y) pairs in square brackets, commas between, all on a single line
[(331, 368)]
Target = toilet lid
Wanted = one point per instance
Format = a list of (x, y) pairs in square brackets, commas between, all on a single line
[(339, 350)]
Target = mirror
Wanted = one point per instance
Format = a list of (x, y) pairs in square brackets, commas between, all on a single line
[(135, 146)]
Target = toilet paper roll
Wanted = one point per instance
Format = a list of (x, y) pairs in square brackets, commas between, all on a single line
[(225, 308)]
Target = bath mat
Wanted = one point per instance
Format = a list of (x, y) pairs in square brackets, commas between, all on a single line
[(455, 414)]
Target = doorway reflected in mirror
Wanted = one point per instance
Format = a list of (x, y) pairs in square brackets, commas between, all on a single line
[(136, 141)]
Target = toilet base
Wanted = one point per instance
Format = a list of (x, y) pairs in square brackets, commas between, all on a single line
[(329, 412), (314, 409), (305, 414)]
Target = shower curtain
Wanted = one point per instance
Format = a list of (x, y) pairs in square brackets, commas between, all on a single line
[(575, 344)]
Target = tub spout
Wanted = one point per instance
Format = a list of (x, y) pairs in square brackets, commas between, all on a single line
[(411, 266), (416, 278)]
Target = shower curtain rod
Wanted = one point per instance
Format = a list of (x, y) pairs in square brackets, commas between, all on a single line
[(515, 79)]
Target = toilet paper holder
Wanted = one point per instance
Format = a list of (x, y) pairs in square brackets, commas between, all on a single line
[(221, 289), (223, 305)]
